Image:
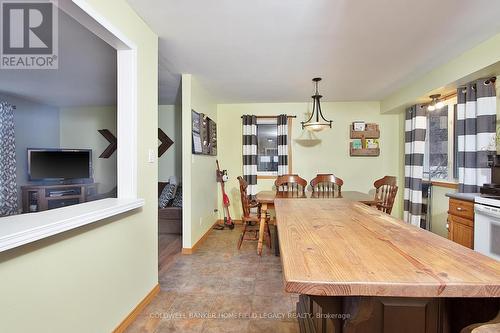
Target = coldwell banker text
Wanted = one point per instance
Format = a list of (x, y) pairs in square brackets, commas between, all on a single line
[(29, 34)]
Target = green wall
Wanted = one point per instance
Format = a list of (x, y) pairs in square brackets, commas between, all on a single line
[(330, 155), (170, 163), (471, 64), (198, 171)]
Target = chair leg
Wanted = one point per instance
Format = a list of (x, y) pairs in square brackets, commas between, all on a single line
[(268, 238), (242, 236), (276, 242)]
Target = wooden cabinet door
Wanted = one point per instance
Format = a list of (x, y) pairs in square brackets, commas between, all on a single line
[(461, 231)]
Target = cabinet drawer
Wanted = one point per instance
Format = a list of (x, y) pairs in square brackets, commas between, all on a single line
[(461, 208)]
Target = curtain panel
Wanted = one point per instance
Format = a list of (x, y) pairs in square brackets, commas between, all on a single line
[(250, 153), (8, 186), (282, 144), (415, 131), (476, 134)]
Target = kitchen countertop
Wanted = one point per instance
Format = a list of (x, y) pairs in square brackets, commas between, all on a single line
[(338, 247), (463, 196)]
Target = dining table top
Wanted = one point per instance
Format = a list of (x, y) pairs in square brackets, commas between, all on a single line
[(345, 248)]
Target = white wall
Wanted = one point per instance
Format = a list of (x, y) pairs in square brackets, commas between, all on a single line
[(170, 121), (198, 171)]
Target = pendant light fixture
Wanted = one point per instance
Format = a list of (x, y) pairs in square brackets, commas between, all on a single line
[(436, 103), (316, 121)]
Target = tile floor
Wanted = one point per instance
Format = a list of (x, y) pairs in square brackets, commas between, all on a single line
[(206, 291)]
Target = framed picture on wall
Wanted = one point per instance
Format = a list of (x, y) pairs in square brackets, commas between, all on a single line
[(195, 118)]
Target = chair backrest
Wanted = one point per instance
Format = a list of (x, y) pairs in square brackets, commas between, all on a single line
[(291, 184), (326, 185), (385, 191), (245, 201)]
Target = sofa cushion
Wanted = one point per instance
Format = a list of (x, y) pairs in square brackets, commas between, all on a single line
[(166, 195), (177, 202)]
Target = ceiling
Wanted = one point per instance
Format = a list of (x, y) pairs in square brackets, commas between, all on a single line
[(86, 75), (269, 50)]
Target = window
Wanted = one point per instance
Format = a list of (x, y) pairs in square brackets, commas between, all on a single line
[(440, 152), (26, 228), (267, 146)]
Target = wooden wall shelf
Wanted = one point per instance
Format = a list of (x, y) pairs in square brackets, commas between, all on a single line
[(364, 151), (372, 132)]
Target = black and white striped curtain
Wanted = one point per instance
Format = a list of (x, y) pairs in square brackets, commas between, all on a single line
[(476, 134), (250, 153), (8, 186), (415, 131), (282, 144)]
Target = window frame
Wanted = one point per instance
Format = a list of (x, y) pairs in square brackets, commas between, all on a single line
[(18, 230), (450, 181), (274, 120)]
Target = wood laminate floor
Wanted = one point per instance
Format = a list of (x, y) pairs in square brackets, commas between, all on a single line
[(219, 289)]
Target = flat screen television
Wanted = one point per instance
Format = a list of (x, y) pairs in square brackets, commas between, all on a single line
[(60, 165)]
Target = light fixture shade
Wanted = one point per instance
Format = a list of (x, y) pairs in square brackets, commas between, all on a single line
[(316, 127), (439, 105), (435, 103), (316, 122)]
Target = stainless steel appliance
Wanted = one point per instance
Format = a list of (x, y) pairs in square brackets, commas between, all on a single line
[(493, 188)]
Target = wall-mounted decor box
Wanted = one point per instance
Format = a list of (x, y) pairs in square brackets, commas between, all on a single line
[(204, 134)]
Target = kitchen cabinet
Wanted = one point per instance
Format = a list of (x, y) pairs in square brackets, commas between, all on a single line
[(461, 222)]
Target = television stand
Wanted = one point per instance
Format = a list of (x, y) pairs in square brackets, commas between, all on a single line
[(37, 198)]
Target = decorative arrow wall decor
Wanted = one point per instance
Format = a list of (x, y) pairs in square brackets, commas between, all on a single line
[(112, 143), (166, 142)]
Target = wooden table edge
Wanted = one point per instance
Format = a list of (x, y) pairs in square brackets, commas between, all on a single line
[(391, 289)]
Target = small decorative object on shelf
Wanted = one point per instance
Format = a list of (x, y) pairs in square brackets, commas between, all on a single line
[(359, 126), (372, 143), (357, 144)]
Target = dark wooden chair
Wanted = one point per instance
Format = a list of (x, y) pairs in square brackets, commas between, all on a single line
[(251, 220), (290, 185), (385, 193), (325, 185)]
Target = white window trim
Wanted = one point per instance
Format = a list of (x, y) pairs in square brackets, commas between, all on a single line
[(26, 228)]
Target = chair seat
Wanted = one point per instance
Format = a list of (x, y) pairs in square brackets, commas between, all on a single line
[(250, 218)]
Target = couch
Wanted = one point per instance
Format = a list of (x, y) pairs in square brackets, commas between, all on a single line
[(169, 218)]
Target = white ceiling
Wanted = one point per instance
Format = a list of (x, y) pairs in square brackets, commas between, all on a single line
[(86, 74), (269, 50)]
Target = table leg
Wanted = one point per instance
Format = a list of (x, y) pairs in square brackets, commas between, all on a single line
[(263, 212)]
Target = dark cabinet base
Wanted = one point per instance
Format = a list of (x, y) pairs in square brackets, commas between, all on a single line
[(318, 314)]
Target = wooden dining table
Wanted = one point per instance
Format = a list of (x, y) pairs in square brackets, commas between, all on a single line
[(266, 200), (380, 273)]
